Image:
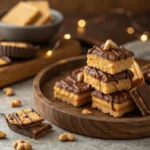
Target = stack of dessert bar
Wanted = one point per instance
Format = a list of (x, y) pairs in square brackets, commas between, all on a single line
[(108, 72)]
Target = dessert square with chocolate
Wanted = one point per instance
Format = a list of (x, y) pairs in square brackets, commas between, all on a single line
[(33, 132), (107, 83), (24, 118), (112, 60), (141, 96), (116, 104), (146, 73), (138, 78), (72, 89), (20, 15), (44, 12)]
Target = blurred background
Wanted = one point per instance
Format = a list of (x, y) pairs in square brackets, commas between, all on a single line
[(120, 20)]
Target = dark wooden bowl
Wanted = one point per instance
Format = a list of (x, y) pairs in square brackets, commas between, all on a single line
[(30, 33), (99, 125)]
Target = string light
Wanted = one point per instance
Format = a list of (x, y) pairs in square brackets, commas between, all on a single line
[(67, 36), (81, 23), (130, 30), (144, 37), (49, 53)]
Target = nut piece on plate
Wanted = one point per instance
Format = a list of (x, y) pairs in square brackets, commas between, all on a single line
[(2, 135), (8, 91), (15, 103), (86, 112), (66, 137), (110, 44), (22, 145)]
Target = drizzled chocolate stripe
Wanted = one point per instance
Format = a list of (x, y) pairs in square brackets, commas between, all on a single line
[(105, 77), (117, 97), (71, 84), (112, 54), (14, 116)]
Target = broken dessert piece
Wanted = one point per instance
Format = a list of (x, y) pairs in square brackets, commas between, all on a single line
[(112, 59), (116, 104), (24, 118), (18, 49), (141, 96), (4, 60), (21, 15), (44, 14), (27, 122), (107, 83), (146, 73), (72, 89), (33, 132), (138, 78)]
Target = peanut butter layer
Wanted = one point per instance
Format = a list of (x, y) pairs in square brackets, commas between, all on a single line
[(112, 54), (24, 118), (107, 87), (71, 98), (105, 77), (118, 109), (109, 66)]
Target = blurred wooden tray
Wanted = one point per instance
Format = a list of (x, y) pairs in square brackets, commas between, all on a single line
[(20, 70), (68, 117)]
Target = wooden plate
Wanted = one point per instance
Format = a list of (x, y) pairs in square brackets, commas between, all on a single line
[(99, 125)]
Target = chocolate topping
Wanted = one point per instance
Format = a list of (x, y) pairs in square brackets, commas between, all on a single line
[(105, 77), (141, 96), (113, 54), (74, 83), (146, 73), (117, 97)]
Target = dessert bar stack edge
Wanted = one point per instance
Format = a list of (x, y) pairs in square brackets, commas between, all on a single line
[(111, 72)]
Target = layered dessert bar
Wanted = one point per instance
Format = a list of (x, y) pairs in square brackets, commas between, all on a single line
[(141, 96), (146, 73), (72, 89), (116, 104), (107, 83), (112, 60), (27, 122), (24, 118), (138, 77)]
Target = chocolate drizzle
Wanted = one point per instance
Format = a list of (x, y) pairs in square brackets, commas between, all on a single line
[(14, 116), (71, 83), (105, 77), (117, 97), (113, 54)]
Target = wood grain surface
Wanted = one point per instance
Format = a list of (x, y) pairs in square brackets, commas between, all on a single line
[(132, 125), (24, 69)]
